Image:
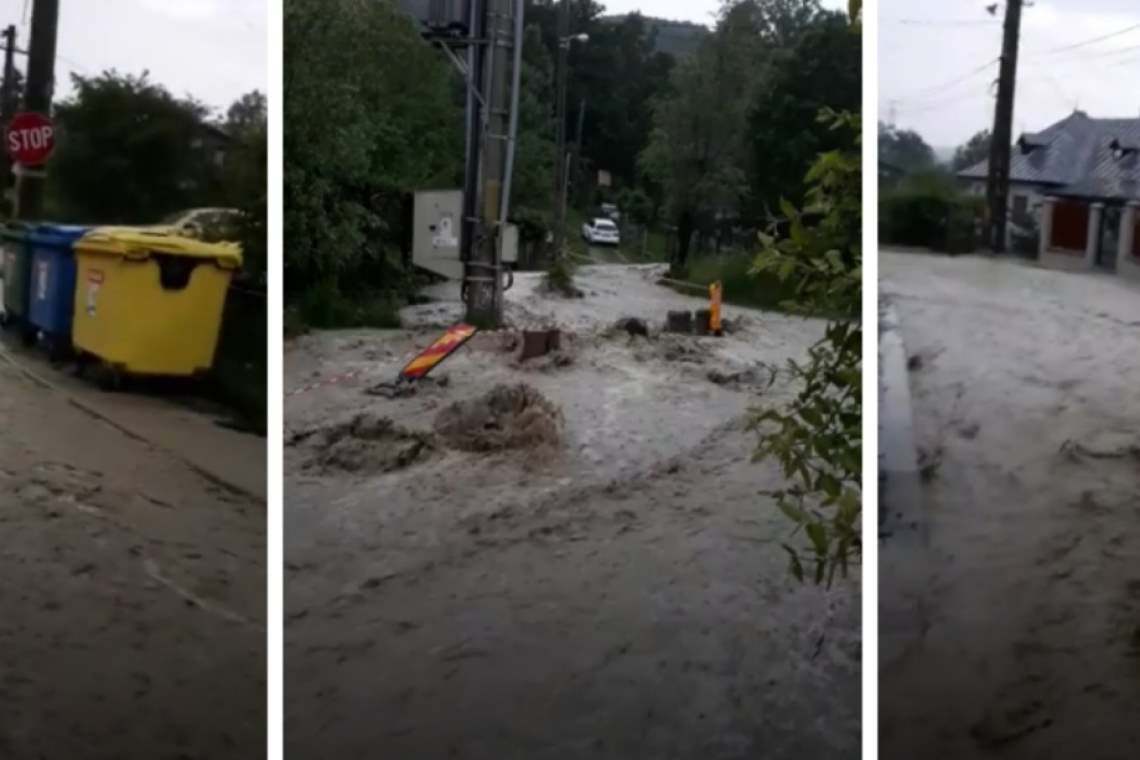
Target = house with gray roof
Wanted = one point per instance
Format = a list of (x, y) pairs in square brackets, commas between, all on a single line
[(1077, 183)]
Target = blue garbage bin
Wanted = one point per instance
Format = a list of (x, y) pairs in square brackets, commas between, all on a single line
[(51, 297)]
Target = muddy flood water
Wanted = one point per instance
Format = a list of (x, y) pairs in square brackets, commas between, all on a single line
[(1027, 417), (572, 556)]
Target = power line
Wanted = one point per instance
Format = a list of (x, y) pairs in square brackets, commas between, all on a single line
[(946, 22), (933, 89), (1092, 41), (1076, 56)]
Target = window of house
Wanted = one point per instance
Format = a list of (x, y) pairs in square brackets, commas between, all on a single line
[(1020, 206)]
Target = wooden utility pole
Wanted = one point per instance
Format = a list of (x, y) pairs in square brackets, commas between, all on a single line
[(37, 99), (997, 185), (9, 100), (560, 177)]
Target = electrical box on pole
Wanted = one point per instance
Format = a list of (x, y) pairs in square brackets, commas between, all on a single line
[(483, 40)]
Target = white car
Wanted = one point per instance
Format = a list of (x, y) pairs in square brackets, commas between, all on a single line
[(601, 232), (211, 225)]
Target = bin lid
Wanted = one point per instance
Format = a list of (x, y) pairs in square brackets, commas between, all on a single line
[(141, 242), (15, 230), (55, 235)]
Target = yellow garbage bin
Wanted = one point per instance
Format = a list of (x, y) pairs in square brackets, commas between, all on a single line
[(149, 302)]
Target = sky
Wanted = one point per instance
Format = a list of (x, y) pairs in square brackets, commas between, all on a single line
[(214, 50), (697, 11), (935, 70)]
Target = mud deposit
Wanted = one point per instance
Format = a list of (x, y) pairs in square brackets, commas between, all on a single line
[(508, 417), (367, 443), (1027, 413), (132, 595), (627, 597)]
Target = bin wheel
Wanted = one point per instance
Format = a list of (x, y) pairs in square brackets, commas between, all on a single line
[(111, 379), (58, 351), (28, 335)]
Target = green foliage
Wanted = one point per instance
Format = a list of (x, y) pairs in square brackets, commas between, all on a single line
[(326, 306), (636, 206), (371, 112), (735, 131), (929, 211), (822, 69), (560, 277), (904, 150), (245, 181), (817, 440), (742, 285), (975, 150), (131, 153)]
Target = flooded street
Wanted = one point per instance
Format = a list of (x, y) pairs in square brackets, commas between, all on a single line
[(616, 588), (133, 600), (1028, 586)]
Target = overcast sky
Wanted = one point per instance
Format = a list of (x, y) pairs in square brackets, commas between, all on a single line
[(698, 11), (926, 45), (212, 49)]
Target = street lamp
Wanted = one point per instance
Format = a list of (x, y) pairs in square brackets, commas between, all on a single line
[(564, 42), (563, 162)]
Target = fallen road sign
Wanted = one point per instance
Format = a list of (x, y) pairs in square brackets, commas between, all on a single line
[(432, 356)]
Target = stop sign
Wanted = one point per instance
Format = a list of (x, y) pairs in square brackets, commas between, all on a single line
[(30, 138)]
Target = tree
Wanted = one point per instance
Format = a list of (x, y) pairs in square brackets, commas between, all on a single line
[(975, 150), (904, 149), (779, 22), (535, 150), (245, 179), (697, 147), (822, 69), (818, 439), (371, 113), (130, 152)]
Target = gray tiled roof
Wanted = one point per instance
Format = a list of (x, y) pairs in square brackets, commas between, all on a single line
[(1077, 157)]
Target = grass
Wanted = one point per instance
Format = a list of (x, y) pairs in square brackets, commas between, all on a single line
[(741, 287)]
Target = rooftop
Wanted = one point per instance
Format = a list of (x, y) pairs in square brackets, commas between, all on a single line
[(1079, 156)]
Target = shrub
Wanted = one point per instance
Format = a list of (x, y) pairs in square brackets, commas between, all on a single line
[(930, 218)]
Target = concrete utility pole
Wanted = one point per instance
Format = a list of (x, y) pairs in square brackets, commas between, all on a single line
[(484, 277), (578, 139), (560, 146), (9, 98), (37, 98), (997, 185)]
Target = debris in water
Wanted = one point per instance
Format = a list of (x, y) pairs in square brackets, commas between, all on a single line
[(633, 326), (679, 321), (508, 417), (537, 343), (369, 444), (740, 377)]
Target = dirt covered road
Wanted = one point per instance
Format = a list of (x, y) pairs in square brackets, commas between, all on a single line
[(614, 587), (132, 599), (1026, 407)]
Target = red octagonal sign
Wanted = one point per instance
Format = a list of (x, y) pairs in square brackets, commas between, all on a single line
[(30, 139)]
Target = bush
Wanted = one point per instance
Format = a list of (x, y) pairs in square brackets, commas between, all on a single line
[(325, 306), (742, 286), (930, 218)]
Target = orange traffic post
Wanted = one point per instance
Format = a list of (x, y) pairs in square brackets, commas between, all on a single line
[(715, 294)]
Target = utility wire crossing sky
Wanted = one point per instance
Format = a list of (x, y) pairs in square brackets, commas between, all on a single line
[(938, 70)]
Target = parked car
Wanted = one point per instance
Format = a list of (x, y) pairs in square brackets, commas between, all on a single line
[(601, 232), (211, 225), (611, 211)]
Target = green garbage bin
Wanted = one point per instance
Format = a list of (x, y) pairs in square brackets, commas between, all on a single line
[(17, 268)]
